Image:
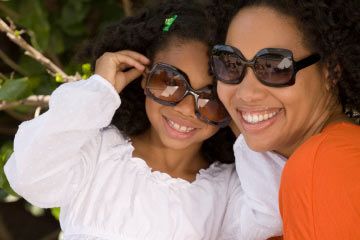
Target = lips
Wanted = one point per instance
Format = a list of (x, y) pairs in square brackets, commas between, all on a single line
[(255, 121), (256, 117), (178, 128)]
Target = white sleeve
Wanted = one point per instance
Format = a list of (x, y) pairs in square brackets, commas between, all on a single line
[(253, 207), (55, 152)]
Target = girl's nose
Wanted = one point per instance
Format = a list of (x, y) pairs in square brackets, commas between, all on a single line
[(186, 106)]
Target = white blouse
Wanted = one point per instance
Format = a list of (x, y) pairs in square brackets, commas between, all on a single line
[(70, 157)]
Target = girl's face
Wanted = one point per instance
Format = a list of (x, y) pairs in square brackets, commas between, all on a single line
[(275, 119), (177, 127)]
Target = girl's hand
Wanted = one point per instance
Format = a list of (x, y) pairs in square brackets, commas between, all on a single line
[(120, 68)]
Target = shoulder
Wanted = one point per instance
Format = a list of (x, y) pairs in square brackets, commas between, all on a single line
[(338, 141), (338, 152), (331, 156), (342, 139)]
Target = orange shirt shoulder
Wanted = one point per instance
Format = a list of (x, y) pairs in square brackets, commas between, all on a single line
[(320, 186)]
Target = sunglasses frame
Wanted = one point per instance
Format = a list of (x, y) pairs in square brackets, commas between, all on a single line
[(297, 65), (189, 91)]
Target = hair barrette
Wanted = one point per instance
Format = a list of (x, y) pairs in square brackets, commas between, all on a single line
[(168, 22)]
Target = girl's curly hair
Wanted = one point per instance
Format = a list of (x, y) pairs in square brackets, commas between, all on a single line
[(329, 27), (144, 33)]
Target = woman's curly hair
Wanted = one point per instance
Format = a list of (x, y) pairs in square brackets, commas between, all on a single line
[(329, 27), (143, 33)]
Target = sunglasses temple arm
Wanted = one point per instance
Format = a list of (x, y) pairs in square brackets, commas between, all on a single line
[(307, 61)]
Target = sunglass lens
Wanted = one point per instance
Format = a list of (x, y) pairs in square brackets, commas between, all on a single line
[(227, 67), (166, 85), (212, 109), (274, 69)]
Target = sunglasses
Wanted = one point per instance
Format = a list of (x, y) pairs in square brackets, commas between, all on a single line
[(274, 67), (168, 85)]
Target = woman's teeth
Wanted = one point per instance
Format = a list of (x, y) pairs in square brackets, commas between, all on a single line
[(179, 128), (257, 117)]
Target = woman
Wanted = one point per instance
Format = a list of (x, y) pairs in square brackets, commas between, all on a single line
[(289, 75)]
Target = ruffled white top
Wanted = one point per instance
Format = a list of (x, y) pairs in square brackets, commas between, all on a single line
[(70, 157)]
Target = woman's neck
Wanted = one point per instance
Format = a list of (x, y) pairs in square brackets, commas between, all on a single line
[(332, 117), (178, 163)]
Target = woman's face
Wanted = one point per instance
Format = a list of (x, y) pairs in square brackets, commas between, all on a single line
[(177, 127), (275, 119)]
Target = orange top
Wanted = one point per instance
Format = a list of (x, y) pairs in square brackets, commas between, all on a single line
[(320, 186)]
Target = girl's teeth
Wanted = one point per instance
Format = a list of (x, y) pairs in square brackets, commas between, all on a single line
[(177, 127), (256, 118)]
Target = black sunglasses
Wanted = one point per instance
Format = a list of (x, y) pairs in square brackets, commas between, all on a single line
[(274, 67), (169, 85)]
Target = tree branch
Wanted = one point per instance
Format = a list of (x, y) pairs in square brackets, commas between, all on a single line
[(127, 5), (15, 37), (35, 100)]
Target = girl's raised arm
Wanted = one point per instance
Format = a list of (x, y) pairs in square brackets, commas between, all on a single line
[(56, 152)]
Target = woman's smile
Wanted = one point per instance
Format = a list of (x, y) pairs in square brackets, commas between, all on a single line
[(257, 121)]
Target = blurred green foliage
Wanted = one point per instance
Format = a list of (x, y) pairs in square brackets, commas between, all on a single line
[(56, 28)]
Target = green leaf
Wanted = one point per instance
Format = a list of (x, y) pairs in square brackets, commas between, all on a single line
[(58, 78), (56, 213), (5, 152), (34, 18), (86, 70), (72, 17), (14, 89), (46, 85)]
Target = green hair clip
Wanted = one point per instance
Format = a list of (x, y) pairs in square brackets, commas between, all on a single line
[(168, 22)]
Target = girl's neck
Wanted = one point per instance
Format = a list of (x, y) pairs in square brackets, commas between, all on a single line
[(178, 163)]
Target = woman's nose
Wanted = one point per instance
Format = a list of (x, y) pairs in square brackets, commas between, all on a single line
[(250, 89)]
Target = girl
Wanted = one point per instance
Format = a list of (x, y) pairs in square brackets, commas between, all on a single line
[(164, 174), (290, 74)]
